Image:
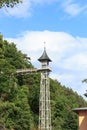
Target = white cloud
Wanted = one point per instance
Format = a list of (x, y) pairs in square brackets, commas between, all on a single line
[(57, 42), (76, 62), (63, 78), (73, 8), (68, 54)]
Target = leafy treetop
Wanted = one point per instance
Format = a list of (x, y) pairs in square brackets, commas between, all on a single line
[(9, 3)]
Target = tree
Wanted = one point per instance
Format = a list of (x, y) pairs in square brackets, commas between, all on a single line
[(15, 112), (9, 3), (16, 115), (15, 57)]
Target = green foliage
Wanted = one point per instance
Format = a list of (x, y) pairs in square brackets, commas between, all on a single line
[(15, 111), (19, 95), (63, 100), (16, 115), (15, 57), (9, 3)]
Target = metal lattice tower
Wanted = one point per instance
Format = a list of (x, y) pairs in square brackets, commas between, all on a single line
[(44, 99)]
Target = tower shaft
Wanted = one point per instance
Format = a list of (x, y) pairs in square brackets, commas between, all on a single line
[(44, 102)]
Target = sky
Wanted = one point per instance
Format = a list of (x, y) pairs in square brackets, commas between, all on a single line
[(62, 25)]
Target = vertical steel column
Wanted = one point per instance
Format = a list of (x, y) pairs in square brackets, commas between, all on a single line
[(44, 102)]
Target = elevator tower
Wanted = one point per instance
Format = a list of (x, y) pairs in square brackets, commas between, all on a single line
[(44, 98)]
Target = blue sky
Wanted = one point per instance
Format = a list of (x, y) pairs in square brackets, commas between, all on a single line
[(62, 24), (52, 15)]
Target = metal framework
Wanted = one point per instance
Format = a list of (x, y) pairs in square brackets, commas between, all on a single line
[(44, 102), (26, 71), (44, 98)]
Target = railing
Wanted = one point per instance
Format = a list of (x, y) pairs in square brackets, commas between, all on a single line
[(23, 71), (44, 69), (32, 70)]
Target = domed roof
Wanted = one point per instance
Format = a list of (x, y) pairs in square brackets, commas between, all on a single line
[(44, 57)]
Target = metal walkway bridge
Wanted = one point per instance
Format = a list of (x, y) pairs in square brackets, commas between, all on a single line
[(30, 70), (26, 71)]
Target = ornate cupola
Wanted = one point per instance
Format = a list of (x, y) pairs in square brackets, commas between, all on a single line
[(44, 59)]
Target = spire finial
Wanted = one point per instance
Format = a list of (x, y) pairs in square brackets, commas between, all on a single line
[(44, 46)]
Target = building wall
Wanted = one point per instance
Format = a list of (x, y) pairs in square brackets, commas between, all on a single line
[(83, 120)]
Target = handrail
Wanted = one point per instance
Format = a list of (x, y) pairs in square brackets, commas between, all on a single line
[(26, 70), (31, 70)]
